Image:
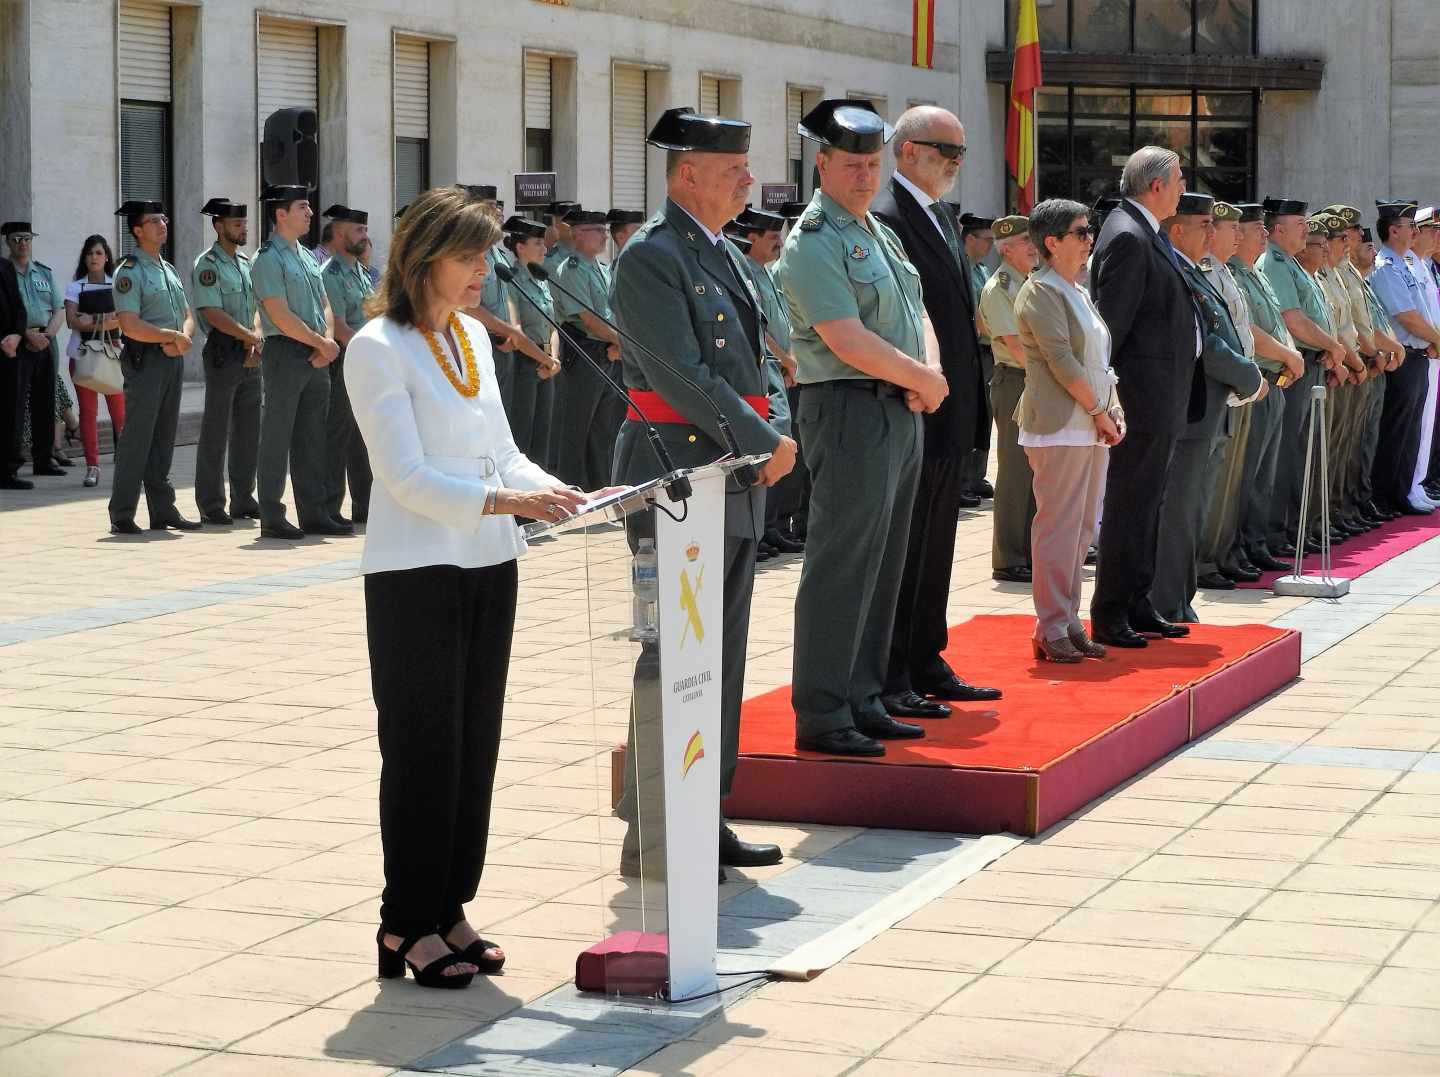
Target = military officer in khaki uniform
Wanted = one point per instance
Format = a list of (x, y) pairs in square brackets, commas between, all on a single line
[(680, 289), (868, 364), (1349, 400), (300, 343), (230, 428), (348, 287), (158, 329), (1014, 481)]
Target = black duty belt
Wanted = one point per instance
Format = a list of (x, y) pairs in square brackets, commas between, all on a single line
[(872, 386)]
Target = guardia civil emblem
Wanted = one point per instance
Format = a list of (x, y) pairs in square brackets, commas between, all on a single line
[(858, 252)]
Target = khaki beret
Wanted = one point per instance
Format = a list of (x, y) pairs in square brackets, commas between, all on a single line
[(1009, 227), (1224, 211), (1349, 214)]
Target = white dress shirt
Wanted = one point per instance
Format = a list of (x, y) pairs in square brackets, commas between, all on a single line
[(435, 453)]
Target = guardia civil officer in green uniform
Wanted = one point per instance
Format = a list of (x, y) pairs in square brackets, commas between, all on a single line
[(347, 287), (1228, 373), (1280, 363), (158, 328), (977, 239), (590, 414), (758, 233), (868, 365), (558, 238), (532, 399), (1014, 508), (299, 344), (1304, 311), (225, 305), (37, 355), (680, 289)]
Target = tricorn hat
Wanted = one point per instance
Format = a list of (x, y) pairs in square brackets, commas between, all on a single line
[(845, 124), (685, 130)]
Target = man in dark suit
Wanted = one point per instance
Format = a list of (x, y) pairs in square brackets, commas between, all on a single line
[(1155, 341), (929, 145), (12, 331)]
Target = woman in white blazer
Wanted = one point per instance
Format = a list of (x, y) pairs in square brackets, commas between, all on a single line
[(440, 577)]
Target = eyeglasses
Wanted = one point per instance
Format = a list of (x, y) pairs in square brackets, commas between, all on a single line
[(949, 150), (20, 237), (1088, 231), (158, 218)]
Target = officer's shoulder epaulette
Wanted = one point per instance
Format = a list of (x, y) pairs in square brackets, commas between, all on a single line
[(1002, 279), (1279, 256), (812, 220), (570, 261), (127, 262), (42, 265), (242, 256)]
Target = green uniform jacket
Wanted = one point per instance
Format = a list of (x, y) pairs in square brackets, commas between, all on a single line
[(536, 328), (218, 280), (347, 288), (997, 313), (834, 267), (493, 295), (587, 278), (285, 270), (979, 277), (1265, 309), (37, 289), (1294, 288), (150, 287), (777, 325), (1227, 368), (677, 295)]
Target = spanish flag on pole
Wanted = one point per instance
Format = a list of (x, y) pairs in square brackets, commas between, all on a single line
[(1020, 124), (924, 55)]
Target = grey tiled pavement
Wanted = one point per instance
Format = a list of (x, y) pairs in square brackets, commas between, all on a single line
[(189, 856)]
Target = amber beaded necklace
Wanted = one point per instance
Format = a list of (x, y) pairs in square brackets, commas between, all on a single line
[(470, 387)]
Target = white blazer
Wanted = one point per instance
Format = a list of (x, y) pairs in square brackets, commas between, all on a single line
[(434, 452)]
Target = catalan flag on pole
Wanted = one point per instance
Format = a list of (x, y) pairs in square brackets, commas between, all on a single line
[(924, 33), (1020, 124)]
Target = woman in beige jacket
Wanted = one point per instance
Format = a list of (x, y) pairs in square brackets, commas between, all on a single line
[(1069, 416)]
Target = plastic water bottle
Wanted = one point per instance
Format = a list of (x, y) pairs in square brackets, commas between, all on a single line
[(645, 580)]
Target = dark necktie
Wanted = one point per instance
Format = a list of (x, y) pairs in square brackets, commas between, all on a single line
[(1169, 250), (947, 229)]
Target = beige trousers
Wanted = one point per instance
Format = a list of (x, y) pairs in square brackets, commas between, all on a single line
[(1069, 486)]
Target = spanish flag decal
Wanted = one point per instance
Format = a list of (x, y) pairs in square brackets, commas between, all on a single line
[(694, 752)]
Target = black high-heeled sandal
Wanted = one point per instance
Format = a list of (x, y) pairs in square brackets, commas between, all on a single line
[(392, 964), (474, 954)]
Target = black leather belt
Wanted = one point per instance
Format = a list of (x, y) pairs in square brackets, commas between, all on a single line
[(873, 386)]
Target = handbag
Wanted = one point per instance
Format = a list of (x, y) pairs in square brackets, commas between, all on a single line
[(97, 363)]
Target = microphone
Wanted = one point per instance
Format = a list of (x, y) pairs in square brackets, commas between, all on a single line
[(745, 476), (678, 487)]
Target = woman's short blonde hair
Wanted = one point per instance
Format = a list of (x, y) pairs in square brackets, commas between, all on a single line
[(444, 222)]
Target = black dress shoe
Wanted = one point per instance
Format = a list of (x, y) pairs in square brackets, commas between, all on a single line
[(1266, 563), (840, 742), (1238, 574), (328, 527), (887, 728), (1337, 536), (984, 489), (777, 541), (1215, 581), (1092, 555), (175, 523), (282, 530), (1158, 626), (969, 501), (50, 469), (250, 511), (957, 690), (14, 482), (1121, 635), (1018, 574), (913, 705), (762, 554), (745, 854), (1284, 549), (341, 518), (218, 517), (125, 527)]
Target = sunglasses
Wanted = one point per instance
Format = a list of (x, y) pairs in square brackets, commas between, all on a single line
[(1089, 231), (20, 237), (951, 151)]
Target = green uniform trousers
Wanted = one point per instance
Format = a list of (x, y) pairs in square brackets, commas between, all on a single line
[(1014, 505), (863, 447), (295, 404), (146, 446), (345, 455), (1290, 465), (590, 416), (229, 427), (1187, 499), (1370, 438), (1222, 520), (1257, 481)]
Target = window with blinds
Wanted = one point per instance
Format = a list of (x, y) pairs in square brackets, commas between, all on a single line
[(144, 55), (539, 142), (794, 150), (627, 137), (412, 118), (709, 95), (287, 68)]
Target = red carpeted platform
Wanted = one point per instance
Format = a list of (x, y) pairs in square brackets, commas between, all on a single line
[(1062, 735), (1363, 553)]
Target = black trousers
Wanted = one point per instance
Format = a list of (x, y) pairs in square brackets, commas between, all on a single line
[(11, 410), (1399, 444), (590, 416), (345, 454), (1130, 527), (921, 629), (439, 654), (36, 372)]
